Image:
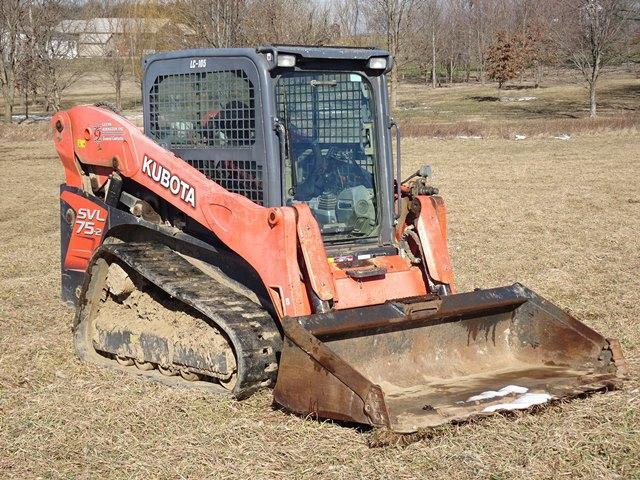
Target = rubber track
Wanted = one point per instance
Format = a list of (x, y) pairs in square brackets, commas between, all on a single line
[(250, 328)]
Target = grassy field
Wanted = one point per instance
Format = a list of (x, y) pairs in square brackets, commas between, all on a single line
[(97, 86), (556, 107), (473, 102), (560, 216)]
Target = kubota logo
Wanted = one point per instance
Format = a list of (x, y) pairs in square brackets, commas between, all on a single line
[(171, 182)]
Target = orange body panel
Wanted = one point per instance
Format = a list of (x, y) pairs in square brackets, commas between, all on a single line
[(241, 224), (63, 140), (314, 253), (432, 230), (87, 230), (400, 281)]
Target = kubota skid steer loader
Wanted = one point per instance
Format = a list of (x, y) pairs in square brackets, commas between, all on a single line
[(254, 236)]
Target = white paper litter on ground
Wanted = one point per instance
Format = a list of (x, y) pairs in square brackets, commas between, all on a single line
[(520, 403), (469, 137), (509, 389), (517, 99)]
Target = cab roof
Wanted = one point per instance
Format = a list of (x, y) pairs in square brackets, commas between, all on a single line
[(303, 51), (326, 52)]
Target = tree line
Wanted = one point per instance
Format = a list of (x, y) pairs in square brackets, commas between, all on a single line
[(433, 41)]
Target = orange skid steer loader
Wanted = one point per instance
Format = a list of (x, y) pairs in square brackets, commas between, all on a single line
[(258, 234)]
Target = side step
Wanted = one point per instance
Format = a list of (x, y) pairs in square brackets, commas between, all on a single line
[(417, 363)]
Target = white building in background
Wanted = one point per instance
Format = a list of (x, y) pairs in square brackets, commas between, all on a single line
[(63, 45), (98, 37), (60, 45)]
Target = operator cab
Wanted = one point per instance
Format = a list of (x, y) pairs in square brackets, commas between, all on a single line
[(281, 125)]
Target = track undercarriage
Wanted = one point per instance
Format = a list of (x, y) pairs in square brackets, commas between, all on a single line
[(129, 323)]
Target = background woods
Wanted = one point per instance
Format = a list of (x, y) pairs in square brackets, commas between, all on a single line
[(47, 45)]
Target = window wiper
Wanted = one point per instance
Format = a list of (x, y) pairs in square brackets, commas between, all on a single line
[(323, 83)]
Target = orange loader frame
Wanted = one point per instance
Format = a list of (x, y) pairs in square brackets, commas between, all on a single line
[(269, 239)]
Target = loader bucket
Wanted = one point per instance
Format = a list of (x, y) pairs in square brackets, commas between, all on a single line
[(422, 362)]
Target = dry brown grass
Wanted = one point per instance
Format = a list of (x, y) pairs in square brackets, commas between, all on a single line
[(558, 107), (560, 216), (509, 129), (26, 131)]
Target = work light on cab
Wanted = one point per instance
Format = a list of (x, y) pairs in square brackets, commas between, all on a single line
[(286, 61), (377, 63)]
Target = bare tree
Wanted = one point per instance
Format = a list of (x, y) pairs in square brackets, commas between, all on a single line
[(117, 54), (392, 19), (116, 61), (349, 17), (51, 66), (421, 38), (289, 21), (151, 28), (460, 29), (588, 32), (12, 14), (430, 14), (478, 23), (25, 78), (235, 23), (219, 23)]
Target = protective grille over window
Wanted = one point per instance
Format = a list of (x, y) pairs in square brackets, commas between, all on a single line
[(327, 107), (237, 176), (203, 110), (209, 110), (329, 120)]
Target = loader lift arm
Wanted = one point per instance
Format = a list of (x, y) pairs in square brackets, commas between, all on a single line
[(252, 231)]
